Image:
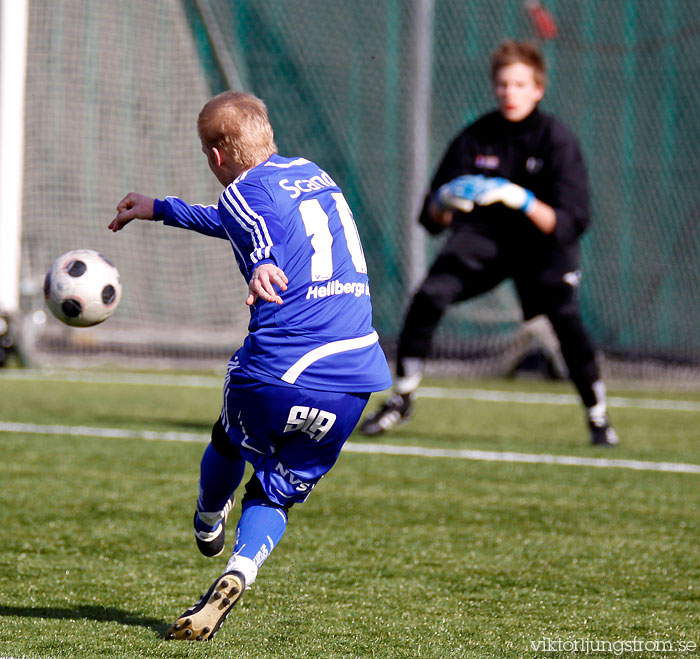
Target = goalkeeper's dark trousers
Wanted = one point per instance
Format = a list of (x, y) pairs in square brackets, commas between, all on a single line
[(443, 288)]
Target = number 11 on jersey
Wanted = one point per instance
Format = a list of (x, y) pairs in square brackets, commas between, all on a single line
[(316, 223)]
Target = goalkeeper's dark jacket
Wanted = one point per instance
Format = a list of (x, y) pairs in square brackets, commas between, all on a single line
[(538, 153)]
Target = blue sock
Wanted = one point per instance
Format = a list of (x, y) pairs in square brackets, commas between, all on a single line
[(260, 528), (219, 477)]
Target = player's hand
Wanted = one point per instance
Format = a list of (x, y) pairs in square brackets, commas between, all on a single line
[(262, 284), (501, 190), (458, 194), (482, 190), (134, 206), (440, 216)]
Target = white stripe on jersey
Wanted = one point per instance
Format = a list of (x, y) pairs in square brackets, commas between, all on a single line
[(263, 252), (193, 205), (245, 222), (250, 217), (235, 249), (332, 348), (249, 229), (286, 165)]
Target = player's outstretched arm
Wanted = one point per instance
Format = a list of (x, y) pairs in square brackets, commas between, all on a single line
[(134, 206), (262, 284)]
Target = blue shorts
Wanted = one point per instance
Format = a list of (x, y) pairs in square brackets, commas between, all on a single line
[(291, 436)]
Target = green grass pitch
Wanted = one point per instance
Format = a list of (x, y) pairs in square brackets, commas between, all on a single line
[(392, 555)]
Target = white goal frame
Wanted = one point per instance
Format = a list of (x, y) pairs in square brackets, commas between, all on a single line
[(13, 67)]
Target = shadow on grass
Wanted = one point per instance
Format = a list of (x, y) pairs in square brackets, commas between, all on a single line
[(98, 613)]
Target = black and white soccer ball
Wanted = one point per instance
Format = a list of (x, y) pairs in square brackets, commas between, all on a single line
[(82, 288)]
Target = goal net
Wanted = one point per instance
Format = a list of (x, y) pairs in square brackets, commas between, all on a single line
[(113, 92), (373, 92)]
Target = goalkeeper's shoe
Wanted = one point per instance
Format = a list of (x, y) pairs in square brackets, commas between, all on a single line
[(211, 539), (602, 433), (396, 410), (202, 621)]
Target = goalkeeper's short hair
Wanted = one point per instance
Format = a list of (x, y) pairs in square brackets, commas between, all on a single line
[(514, 52)]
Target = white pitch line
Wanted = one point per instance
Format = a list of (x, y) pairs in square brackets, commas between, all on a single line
[(485, 395), (144, 379), (108, 433), (497, 396), (354, 447), (530, 458)]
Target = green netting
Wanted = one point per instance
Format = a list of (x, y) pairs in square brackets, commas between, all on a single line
[(337, 77), (114, 88)]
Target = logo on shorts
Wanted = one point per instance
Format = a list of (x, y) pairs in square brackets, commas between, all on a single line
[(310, 420), (573, 278), (298, 484)]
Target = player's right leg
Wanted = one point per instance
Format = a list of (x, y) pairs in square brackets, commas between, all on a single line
[(292, 437), (201, 621), (260, 528)]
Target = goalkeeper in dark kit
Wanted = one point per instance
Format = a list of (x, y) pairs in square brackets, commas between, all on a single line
[(512, 188)]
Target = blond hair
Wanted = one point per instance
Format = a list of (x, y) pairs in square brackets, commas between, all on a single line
[(237, 123), (519, 52)]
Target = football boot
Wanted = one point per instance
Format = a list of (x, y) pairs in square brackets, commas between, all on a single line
[(201, 621), (602, 433), (211, 540), (397, 409)]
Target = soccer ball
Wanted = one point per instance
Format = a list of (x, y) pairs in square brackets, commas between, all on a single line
[(82, 288)]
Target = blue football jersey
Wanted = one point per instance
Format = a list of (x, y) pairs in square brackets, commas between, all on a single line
[(290, 212)]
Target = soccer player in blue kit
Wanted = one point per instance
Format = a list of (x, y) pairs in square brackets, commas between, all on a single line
[(296, 389)]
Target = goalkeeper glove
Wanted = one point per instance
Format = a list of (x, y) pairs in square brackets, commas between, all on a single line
[(509, 194), (465, 191), (459, 193)]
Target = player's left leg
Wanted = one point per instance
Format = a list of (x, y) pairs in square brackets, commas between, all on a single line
[(552, 290), (579, 355), (468, 265), (221, 471), (260, 528)]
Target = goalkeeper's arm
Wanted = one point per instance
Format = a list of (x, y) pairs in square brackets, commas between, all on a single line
[(514, 196), (542, 216), (439, 215), (435, 217), (465, 191)]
